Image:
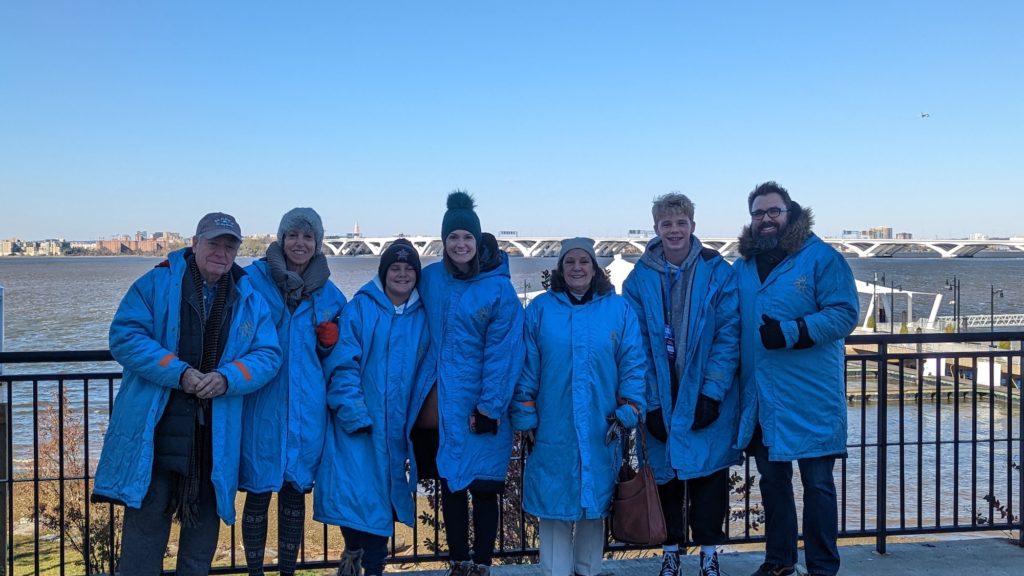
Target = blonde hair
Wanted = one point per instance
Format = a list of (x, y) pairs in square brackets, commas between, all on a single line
[(669, 203)]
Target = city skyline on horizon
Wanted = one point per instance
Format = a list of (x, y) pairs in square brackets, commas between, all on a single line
[(186, 236)]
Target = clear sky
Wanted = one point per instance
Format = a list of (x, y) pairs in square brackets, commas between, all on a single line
[(561, 117)]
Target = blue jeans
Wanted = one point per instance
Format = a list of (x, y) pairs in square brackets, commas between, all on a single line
[(820, 510)]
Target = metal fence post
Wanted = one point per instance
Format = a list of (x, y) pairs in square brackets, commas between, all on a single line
[(1, 326), (1020, 443), (4, 483), (3, 455), (881, 514)]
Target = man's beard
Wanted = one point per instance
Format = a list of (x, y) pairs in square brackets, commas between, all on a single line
[(764, 243)]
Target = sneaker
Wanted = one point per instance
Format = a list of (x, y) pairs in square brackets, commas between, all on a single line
[(351, 563), (669, 564), (463, 568), (709, 565), (768, 569), (479, 570)]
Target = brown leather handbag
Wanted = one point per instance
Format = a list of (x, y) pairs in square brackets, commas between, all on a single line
[(637, 517)]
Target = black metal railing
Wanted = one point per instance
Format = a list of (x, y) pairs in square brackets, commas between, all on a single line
[(935, 446)]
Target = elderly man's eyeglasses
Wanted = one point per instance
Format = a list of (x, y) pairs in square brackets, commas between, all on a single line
[(773, 212)]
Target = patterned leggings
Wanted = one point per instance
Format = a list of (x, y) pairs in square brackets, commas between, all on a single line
[(291, 517)]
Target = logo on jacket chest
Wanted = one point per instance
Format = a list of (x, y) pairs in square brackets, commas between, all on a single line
[(481, 315), (800, 284), (246, 330)]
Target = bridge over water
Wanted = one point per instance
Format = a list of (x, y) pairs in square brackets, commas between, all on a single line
[(540, 246)]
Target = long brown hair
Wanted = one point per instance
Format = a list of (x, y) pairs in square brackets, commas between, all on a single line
[(474, 266)]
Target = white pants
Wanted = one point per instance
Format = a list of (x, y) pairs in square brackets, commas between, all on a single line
[(568, 548)]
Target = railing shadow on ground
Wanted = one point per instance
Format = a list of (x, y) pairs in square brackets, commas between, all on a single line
[(941, 454)]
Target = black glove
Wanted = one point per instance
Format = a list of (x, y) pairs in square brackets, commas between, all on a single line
[(804, 341), (706, 412), (364, 430), (481, 424), (656, 425), (771, 333)]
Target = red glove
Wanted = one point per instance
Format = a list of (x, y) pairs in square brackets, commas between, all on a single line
[(327, 334)]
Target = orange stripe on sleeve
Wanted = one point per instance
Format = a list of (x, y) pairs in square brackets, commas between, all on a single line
[(245, 371), (529, 403), (166, 360)]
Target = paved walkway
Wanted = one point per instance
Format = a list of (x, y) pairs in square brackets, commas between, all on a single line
[(989, 556)]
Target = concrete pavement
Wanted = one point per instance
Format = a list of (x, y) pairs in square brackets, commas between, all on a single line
[(987, 555)]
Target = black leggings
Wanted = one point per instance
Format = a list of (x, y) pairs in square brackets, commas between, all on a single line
[(374, 547), (291, 518), (485, 520)]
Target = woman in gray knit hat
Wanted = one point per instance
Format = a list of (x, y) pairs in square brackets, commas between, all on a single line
[(285, 422)]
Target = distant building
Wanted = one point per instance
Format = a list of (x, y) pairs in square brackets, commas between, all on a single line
[(508, 233), (126, 246), (44, 248), (9, 247), (977, 236), (853, 235), (879, 233), (904, 236), (640, 233)]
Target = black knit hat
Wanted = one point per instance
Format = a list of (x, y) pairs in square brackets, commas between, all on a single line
[(460, 215), (400, 250)]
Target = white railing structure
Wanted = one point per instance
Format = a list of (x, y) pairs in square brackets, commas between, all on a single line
[(983, 320), (540, 246)]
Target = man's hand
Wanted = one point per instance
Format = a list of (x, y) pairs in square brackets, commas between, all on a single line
[(211, 385), (190, 380), (706, 412), (771, 333)]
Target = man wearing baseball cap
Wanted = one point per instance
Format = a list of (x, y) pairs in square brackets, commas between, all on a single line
[(193, 337)]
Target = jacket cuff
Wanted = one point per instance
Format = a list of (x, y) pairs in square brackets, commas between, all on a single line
[(523, 415), (791, 332), (353, 420)]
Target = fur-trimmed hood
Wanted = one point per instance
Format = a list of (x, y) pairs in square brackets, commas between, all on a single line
[(797, 231)]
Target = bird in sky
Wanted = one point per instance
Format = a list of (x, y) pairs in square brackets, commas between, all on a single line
[(925, 115)]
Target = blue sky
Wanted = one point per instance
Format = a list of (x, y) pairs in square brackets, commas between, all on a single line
[(562, 118)]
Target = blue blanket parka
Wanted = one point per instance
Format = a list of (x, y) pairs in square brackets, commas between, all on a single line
[(476, 335), (710, 364), (580, 360), (285, 422), (371, 373), (144, 340)]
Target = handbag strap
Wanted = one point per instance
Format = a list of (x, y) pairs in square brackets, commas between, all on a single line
[(641, 460), (641, 453)]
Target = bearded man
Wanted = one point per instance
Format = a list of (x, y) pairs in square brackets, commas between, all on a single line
[(798, 302)]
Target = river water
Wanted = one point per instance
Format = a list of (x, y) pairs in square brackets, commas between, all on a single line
[(66, 303)]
